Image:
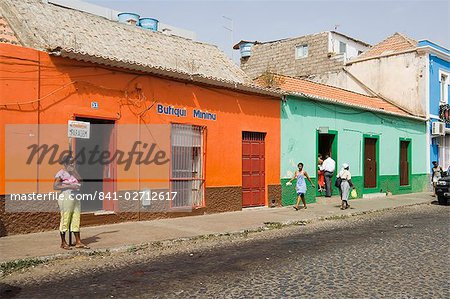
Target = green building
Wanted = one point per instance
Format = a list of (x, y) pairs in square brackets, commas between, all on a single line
[(384, 145)]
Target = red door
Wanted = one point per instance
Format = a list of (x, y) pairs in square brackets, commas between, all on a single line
[(404, 163), (253, 169), (370, 163)]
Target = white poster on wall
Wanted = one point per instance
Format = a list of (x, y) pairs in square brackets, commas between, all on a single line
[(78, 129)]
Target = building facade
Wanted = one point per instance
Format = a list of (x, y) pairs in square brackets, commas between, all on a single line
[(437, 101), (303, 56), (220, 131), (410, 74), (384, 146)]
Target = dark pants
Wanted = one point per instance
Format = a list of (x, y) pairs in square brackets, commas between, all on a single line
[(328, 183)]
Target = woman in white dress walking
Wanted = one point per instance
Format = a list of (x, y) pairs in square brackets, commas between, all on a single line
[(346, 185)]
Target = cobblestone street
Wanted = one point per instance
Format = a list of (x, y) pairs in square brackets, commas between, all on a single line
[(401, 253)]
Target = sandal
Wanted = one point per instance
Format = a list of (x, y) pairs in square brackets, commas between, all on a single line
[(295, 208), (66, 247), (82, 246)]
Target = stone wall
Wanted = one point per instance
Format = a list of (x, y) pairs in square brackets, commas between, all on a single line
[(223, 199), (274, 195), (279, 57)]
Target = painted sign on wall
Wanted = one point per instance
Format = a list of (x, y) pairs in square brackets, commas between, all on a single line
[(182, 112)]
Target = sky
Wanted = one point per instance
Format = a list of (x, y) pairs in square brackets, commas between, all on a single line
[(369, 21)]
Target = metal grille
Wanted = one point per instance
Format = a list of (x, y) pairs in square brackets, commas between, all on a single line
[(187, 172), (253, 136)]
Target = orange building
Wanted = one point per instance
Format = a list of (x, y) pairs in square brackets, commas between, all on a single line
[(204, 105)]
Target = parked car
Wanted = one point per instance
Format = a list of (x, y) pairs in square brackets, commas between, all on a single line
[(443, 189)]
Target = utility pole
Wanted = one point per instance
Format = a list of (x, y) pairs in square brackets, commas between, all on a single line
[(231, 30)]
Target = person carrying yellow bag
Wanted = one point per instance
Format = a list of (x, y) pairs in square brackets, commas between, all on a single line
[(346, 184)]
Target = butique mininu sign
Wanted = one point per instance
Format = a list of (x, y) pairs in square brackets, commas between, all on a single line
[(182, 112), (444, 111)]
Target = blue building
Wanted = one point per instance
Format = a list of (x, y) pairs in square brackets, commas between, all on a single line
[(438, 85)]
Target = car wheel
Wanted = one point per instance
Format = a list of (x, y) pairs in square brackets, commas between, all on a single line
[(442, 200)]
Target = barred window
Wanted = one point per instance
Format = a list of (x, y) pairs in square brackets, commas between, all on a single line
[(187, 169)]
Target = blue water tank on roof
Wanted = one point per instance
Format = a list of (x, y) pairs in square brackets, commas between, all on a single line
[(246, 49), (126, 17), (149, 23)]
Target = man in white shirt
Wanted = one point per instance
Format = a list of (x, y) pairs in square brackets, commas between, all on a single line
[(329, 166)]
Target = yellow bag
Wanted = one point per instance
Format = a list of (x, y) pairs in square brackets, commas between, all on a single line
[(354, 194)]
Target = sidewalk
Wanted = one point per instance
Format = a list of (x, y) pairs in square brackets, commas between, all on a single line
[(134, 233)]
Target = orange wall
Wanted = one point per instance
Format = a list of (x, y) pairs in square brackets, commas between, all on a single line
[(27, 74)]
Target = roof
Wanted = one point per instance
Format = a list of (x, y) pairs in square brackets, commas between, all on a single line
[(352, 38), (429, 44), (396, 43), (236, 46), (80, 35), (7, 35), (335, 95)]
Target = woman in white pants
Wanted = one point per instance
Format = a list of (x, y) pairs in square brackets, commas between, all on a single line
[(346, 185)]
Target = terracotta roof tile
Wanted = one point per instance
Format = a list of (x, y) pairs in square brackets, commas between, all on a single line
[(338, 95), (7, 35), (393, 44)]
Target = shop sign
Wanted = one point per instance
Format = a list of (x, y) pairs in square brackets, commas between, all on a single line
[(182, 112), (78, 129)]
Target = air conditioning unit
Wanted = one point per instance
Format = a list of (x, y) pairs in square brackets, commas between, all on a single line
[(438, 128)]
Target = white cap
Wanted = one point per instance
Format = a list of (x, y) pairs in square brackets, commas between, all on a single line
[(345, 165)]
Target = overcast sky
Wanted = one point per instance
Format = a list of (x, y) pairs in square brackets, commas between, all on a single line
[(370, 21)]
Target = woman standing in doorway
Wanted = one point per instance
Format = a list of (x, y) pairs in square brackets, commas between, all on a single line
[(320, 174), (67, 180), (300, 187)]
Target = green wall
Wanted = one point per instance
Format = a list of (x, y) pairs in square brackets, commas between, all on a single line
[(300, 119)]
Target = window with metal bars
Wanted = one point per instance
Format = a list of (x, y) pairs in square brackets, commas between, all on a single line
[(187, 172), (253, 136)]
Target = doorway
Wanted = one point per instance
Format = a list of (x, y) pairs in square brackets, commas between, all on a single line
[(253, 169), (405, 166), (326, 144), (97, 176), (370, 162)]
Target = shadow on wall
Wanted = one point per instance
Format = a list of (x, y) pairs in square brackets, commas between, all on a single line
[(309, 108), (138, 90)]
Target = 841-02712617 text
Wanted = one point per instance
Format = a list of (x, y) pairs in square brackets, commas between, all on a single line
[(145, 195)]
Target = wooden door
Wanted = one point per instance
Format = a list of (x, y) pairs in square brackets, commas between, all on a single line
[(370, 163), (404, 163), (253, 169)]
